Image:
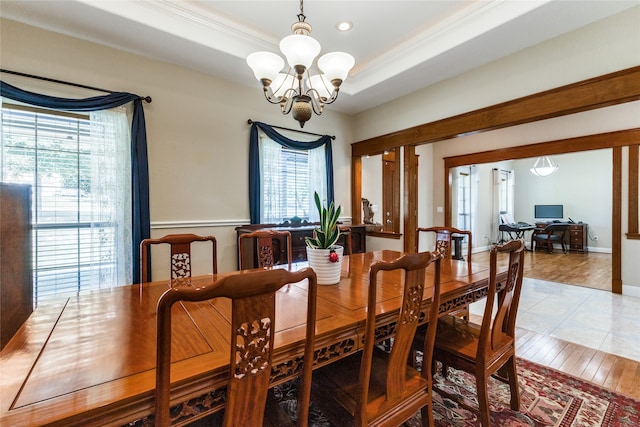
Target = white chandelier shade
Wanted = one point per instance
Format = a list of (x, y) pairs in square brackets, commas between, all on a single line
[(321, 84), (265, 65), (301, 89), (544, 166), (300, 50), (281, 84), (336, 65)]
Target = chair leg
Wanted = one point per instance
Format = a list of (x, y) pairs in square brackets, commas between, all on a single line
[(427, 415), (444, 369), (513, 383), (483, 399)]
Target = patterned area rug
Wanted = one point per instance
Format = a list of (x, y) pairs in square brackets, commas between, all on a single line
[(548, 398)]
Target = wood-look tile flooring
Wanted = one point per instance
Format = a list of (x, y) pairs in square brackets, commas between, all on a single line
[(591, 269), (583, 330)]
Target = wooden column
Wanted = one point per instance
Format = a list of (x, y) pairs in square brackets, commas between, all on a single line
[(616, 221)]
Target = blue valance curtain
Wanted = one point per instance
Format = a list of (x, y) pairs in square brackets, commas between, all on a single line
[(254, 162), (139, 163)]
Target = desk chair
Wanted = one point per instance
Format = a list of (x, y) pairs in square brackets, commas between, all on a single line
[(552, 233), (253, 311), (443, 240), (269, 248), (374, 387), (485, 349), (180, 255)]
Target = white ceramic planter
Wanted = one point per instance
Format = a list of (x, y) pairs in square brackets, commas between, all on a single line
[(327, 272)]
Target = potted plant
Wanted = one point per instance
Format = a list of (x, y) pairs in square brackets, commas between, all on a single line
[(323, 255)]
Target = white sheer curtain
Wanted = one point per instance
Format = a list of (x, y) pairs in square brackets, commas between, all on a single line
[(270, 160), (110, 213), (475, 200), (277, 202), (317, 180), (511, 185), (495, 204)]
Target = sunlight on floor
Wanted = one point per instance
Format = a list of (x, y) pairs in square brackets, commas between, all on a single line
[(590, 317)]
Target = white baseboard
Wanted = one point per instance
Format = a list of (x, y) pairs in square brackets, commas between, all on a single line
[(601, 250), (631, 291)]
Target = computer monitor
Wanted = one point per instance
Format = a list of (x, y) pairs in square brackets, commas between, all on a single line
[(548, 212)]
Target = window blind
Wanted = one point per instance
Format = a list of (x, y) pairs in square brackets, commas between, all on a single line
[(60, 155)]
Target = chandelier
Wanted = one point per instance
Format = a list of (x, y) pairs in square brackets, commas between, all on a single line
[(298, 91), (544, 166)]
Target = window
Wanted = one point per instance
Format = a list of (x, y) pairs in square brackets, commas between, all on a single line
[(506, 202), (464, 199), (289, 179), (79, 170)]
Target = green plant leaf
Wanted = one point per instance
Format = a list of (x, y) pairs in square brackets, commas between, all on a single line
[(327, 233)]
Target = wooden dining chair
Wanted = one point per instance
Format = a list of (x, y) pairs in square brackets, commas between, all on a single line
[(379, 388), (253, 316), (180, 256), (348, 243), (443, 236), (443, 240), (485, 349), (271, 248)]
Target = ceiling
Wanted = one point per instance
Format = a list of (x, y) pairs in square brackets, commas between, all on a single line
[(399, 46)]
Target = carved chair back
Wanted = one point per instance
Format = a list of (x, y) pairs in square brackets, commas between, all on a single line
[(443, 240), (253, 311), (180, 254), (271, 248), (348, 244)]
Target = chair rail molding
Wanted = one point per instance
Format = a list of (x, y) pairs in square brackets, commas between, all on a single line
[(212, 223)]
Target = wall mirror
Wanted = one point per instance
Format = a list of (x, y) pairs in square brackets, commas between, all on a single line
[(380, 197)]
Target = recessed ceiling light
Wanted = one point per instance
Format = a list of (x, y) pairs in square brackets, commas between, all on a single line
[(344, 25)]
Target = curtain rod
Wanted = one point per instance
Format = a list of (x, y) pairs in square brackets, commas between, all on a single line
[(295, 130), (47, 79)]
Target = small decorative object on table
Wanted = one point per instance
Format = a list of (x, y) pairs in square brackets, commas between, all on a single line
[(323, 255)]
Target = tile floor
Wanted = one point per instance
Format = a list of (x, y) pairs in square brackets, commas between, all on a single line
[(590, 317)]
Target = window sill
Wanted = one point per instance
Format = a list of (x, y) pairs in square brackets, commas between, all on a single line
[(633, 236)]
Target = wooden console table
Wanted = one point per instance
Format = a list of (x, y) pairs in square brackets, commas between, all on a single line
[(298, 245)]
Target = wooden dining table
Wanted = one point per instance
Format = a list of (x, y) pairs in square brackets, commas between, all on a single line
[(89, 359)]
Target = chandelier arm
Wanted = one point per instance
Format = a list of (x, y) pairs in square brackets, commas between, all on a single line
[(334, 96), (269, 96), (283, 81), (317, 102), (286, 104)]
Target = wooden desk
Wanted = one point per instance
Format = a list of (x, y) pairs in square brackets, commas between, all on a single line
[(89, 360)]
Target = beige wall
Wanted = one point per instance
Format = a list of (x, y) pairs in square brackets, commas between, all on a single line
[(603, 47), (197, 130)]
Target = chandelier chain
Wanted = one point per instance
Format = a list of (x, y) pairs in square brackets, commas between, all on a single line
[(301, 16)]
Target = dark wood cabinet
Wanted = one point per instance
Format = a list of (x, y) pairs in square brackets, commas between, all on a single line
[(577, 235), (16, 280), (298, 234)]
